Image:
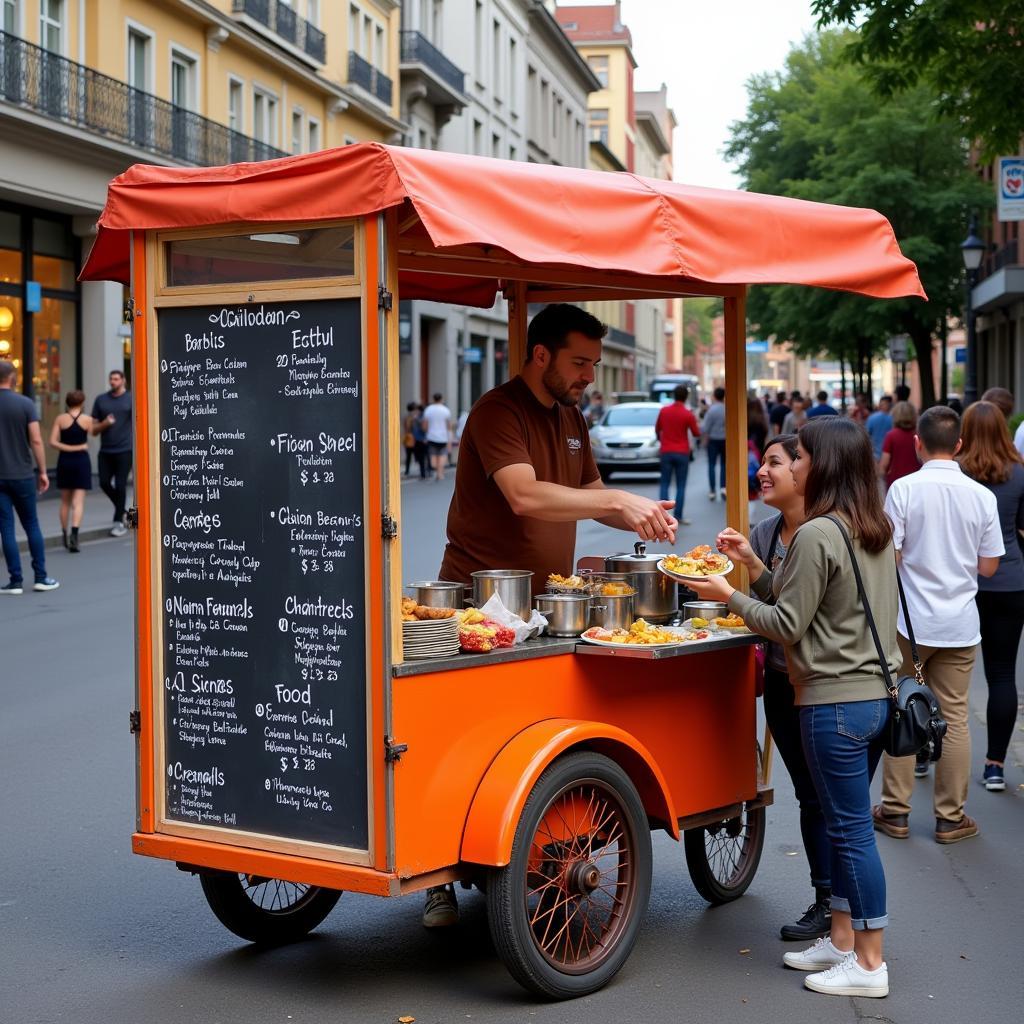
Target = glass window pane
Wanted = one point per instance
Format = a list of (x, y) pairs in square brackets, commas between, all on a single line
[(52, 238), (10, 330), (10, 230), (54, 369), (265, 256), (10, 267), (53, 273)]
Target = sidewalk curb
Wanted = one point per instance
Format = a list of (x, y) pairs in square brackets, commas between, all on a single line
[(56, 540)]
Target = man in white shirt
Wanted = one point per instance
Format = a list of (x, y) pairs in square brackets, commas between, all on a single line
[(946, 532), (437, 425)]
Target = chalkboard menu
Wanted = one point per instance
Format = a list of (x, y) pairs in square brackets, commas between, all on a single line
[(262, 543)]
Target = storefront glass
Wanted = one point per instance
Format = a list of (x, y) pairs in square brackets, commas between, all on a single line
[(54, 366)]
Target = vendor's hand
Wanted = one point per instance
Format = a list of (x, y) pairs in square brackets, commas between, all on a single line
[(735, 547), (650, 519), (712, 588)]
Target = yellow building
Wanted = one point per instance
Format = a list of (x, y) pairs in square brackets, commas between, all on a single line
[(89, 87)]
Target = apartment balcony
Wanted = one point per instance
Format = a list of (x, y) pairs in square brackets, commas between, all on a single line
[(368, 78), (42, 82), (1001, 280), (427, 73), (620, 339), (279, 20)]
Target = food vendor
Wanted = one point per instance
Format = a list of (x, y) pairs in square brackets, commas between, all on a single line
[(526, 475)]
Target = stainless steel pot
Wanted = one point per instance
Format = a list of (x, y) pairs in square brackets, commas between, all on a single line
[(657, 596), (513, 586), (704, 610), (438, 593), (567, 614), (613, 611)]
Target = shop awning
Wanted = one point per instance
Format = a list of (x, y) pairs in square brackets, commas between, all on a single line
[(533, 215)]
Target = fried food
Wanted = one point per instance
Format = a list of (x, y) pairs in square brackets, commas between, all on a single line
[(408, 605), (422, 612), (484, 636), (730, 621), (615, 589), (567, 582), (698, 623), (641, 633), (470, 616), (698, 561), (409, 617)]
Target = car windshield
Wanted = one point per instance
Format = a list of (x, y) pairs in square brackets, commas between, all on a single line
[(631, 416)]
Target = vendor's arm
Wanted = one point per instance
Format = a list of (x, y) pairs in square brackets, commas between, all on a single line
[(528, 496)]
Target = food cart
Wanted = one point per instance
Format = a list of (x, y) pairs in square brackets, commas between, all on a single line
[(286, 751)]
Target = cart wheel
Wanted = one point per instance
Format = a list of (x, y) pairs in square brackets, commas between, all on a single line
[(267, 911), (566, 911), (723, 858)]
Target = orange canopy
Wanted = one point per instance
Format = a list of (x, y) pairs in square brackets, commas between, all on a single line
[(533, 215)]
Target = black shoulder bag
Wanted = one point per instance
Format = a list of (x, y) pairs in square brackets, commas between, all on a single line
[(916, 719)]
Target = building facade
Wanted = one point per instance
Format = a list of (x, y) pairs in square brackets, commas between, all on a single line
[(523, 97), (89, 87)]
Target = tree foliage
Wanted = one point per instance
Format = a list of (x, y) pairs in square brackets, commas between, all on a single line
[(817, 131), (971, 53)]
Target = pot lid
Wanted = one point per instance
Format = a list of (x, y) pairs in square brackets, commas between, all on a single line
[(639, 557)]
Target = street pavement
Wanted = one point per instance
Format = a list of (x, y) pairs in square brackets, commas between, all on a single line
[(94, 935)]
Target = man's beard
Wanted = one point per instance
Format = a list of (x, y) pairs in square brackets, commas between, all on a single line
[(558, 387)]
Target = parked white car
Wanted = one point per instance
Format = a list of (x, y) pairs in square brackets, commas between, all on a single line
[(624, 439)]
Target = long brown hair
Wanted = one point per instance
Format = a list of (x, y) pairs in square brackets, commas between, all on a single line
[(987, 454), (843, 478)]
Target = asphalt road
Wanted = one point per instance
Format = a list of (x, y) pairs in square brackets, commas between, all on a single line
[(91, 934)]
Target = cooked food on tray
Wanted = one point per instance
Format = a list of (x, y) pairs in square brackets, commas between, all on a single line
[(641, 632), (730, 621), (568, 582), (698, 561), (615, 588), (413, 612)]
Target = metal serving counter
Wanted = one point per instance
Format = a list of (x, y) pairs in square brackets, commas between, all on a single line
[(547, 647)]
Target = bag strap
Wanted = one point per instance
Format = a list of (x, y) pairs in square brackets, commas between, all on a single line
[(915, 656), (882, 660)]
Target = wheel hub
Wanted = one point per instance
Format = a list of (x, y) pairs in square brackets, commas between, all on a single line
[(583, 877)]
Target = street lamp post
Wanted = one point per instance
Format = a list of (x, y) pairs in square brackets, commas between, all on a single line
[(972, 248)]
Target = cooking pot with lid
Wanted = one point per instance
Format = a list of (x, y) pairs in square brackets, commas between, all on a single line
[(657, 595)]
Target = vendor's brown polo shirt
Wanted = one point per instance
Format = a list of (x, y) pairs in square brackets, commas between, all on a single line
[(508, 426)]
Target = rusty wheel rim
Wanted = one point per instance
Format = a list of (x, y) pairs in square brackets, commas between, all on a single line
[(725, 845), (580, 877)]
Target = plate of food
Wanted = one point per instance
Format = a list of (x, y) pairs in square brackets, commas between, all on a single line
[(731, 623), (642, 634), (695, 564)]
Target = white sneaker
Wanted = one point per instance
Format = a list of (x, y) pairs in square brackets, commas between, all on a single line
[(118, 530), (850, 979), (817, 957)]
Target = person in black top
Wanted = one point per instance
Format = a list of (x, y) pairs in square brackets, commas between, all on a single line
[(777, 416), (112, 423), (70, 435)]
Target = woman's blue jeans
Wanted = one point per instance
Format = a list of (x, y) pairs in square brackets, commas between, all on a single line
[(843, 743)]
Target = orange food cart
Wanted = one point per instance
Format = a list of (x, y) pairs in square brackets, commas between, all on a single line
[(286, 751)]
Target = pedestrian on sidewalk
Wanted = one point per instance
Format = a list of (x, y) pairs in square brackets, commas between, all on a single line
[(899, 450), (822, 408), (69, 436), (112, 421), (714, 441), (818, 616), (437, 422), (989, 457), (21, 457), (796, 417), (673, 428), (769, 541), (946, 532), (879, 423)]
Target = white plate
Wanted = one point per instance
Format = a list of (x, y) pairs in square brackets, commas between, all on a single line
[(686, 579), (638, 647)]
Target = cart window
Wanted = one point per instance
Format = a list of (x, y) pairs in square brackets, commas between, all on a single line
[(281, 255)]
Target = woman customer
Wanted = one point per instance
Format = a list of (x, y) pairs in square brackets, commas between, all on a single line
[(899, 455), (68, 435), (989, 457), (837, 679), (770, 539)]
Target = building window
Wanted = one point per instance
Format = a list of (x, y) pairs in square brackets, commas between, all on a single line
[(138, 60), (497, 85), (51, 25), (314, 135), (379, 53), (478, 142), (183, 80), (599, 65), (296, 130), (597, 121), (236, 105), (11, 19), (496, 145), (313, 12), (264, 116), (354, 20), (512, 83), (478, 33)]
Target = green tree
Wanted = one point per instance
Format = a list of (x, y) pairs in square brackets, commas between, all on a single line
[(817, 131), (969, 51), (698, 328)]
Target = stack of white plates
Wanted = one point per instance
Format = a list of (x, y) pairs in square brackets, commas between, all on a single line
[(430, 638)]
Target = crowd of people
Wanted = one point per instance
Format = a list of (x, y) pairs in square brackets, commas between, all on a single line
[(24, 475)]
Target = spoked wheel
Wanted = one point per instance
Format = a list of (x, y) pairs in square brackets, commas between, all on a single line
[(723, 858), (566, 911), (267, 911)]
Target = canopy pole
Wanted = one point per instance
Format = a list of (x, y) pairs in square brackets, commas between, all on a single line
[(515, 293), (737, 512)]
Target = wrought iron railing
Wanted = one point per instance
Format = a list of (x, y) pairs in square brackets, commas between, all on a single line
[(49, 84), (364, 74), (283, 20), (418, 49), (620, 337)]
